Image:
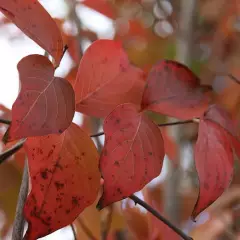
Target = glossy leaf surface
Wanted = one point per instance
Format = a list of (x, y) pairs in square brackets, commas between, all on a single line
[(45, 104), (65, 179), (106, 79), (36, 23), (172, 89), (132, 155)]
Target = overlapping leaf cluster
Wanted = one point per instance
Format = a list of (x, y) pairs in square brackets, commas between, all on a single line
[(64, 164)]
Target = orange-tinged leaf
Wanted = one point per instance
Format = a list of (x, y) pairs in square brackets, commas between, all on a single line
[(214, 163), (106, 79), (132, 155), (65, 179), (36, 23), (92, 218), (173, 89), (45, 104), (137, 222)]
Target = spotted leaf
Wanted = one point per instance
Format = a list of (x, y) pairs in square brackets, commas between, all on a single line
[(173, 89), (132, 155), (65, 180)]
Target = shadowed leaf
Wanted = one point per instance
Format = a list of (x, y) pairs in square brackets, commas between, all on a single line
[(173, 89), (214, 163)]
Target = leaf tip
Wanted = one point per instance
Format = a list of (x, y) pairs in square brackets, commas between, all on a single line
[(100, 205), (5, 138)]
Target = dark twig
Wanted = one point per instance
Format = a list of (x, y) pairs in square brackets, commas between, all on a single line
[(86, 229), (194, 120), (5, 121), (18, 225), (97, 134), (9, 152), (73, 232), (233, 78), (160, 217)]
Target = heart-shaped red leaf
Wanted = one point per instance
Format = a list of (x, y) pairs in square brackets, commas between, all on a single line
[(132, 155), (174, 90), (45, 104), (214, 163), (106, 79), (41, 28), (65, 179)]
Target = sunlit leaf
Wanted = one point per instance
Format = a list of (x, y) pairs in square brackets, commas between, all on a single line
[(106, 79), (35, 22)]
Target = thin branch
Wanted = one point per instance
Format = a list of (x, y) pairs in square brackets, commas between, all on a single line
[(97, 134), (194, 120), (18, 225), (160, 217), (5, 121), (86, 230), (9, 152), (73, 232)]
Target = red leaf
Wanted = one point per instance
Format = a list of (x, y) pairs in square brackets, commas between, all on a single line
[(65, 180), (45, 103), (173, 89), (42, 29), (102, 6), (214, 163), (219, 115), (132, 155), (106, 79)]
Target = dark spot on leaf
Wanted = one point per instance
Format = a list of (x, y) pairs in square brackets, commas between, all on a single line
[(50, 153), (116, 163), (59, 185), (44, 174), (67, 211), (75, 201)]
